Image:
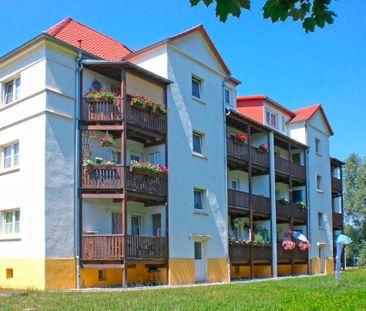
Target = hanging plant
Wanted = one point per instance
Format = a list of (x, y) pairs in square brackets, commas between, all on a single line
[(107, 141), (288, 245), (304, 246)]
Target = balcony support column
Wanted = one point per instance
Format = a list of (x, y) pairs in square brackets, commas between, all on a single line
[(123, 177), (291, 203), (272, 178), (251, 237)]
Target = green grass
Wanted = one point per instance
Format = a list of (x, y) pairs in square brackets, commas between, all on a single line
[(315, 293)]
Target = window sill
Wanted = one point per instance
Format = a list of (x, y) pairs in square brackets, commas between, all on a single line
[(318, 154), (9, 170), (200, 212), (10, 237), (199, 155), (319, 191), (199, 100)]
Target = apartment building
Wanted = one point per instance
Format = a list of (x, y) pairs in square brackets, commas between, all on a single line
[(123, 168)]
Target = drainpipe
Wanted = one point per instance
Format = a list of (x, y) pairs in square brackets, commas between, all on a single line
[(308, 200), (273, 203), (226, 210), (77, 228)]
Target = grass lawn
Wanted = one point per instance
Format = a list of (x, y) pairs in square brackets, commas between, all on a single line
[(315, 293)]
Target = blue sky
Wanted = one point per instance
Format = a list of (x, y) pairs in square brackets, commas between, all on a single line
[(277, 60)]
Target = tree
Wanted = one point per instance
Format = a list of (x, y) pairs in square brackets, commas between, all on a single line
[(312, 13)]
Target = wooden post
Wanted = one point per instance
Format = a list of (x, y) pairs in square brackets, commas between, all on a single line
[(123, 178), (251, 237)]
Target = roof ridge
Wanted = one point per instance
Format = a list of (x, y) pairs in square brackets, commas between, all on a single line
[(307, 107), (55, 29)]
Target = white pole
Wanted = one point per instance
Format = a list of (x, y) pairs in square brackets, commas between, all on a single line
[(273, 203)]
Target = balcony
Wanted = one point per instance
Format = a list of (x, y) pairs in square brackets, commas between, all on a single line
[(240, 199), (103, 111), (110, 247), (110, 177), (284, 167), (284, 256), (286, 210), (336, 185), (337, 220), (241, 152), (240, 252)]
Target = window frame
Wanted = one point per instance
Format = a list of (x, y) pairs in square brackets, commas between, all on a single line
[(268, 117), (319, 182), (321, 220), (201, 192), (237, 181), (139, 223), (201, 140), (15, 90), (14, 224), (318, 149), (199, 84), (14, 156), (228, 91)]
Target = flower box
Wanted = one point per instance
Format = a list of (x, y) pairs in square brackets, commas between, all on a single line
[(239, 139), (300, 204), (102, 95), (263, 148), (145, 168), (145, 104)]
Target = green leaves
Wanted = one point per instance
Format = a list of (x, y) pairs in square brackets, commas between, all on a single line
[(312, 13)]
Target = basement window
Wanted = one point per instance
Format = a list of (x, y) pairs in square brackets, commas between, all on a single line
[(9, 273), (101, 275)]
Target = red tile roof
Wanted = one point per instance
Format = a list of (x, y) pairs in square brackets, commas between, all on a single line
[(71, 32), (306, 113), (252, 108)]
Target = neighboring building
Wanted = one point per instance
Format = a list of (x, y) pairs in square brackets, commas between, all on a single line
[(78, 211)]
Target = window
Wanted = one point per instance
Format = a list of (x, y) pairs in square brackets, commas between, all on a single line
[(198, 199), (297, 196), (9, 273), (135, 225), (283, 124), (101, 275), (227, 97), (235, 184), (318, 182), (10, 156), (135, 157), (320, 220), (197, 250), (10, 221), (272, 119), (11, 90), (317, 145), (154, 158), (196, 87), (197, 143)]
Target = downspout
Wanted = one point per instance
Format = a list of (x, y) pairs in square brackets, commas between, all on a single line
[(226, 210), (273, 203), (77, 228)]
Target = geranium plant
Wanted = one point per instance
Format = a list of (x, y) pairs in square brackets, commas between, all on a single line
[(304, 246), (239, 138), (146, 104), (100, 95), (263, 148), (148, 167), (107, 141)]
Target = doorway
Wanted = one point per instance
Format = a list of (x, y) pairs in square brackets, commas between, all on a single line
[(156, 221), (200, 261)]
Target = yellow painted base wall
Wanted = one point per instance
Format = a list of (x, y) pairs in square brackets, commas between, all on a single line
[(89, 278), (60, 273), (27, 273), (284, 270), (181, 271), (140, 275), (217, 270), (264, 271), (329, 265), (244, 272)]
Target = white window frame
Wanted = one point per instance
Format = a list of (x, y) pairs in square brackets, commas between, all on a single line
[(318, 149), (13, 165), (201, 140), (268, 120), (320, 178), (230, 102), (202, 195), (199, 82), (16, 90), (14, 224)]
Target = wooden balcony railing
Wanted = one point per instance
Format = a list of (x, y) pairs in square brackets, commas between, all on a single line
[(110, 247), (147, 247), (288, 209), (101, 247), (102, 177), (146, 184), (262, 252), (146, 120), (240, 199), (238, 251), (336, 185), (337, 220), (101, 110), (285, 166), (242, 152), (286, 256)]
